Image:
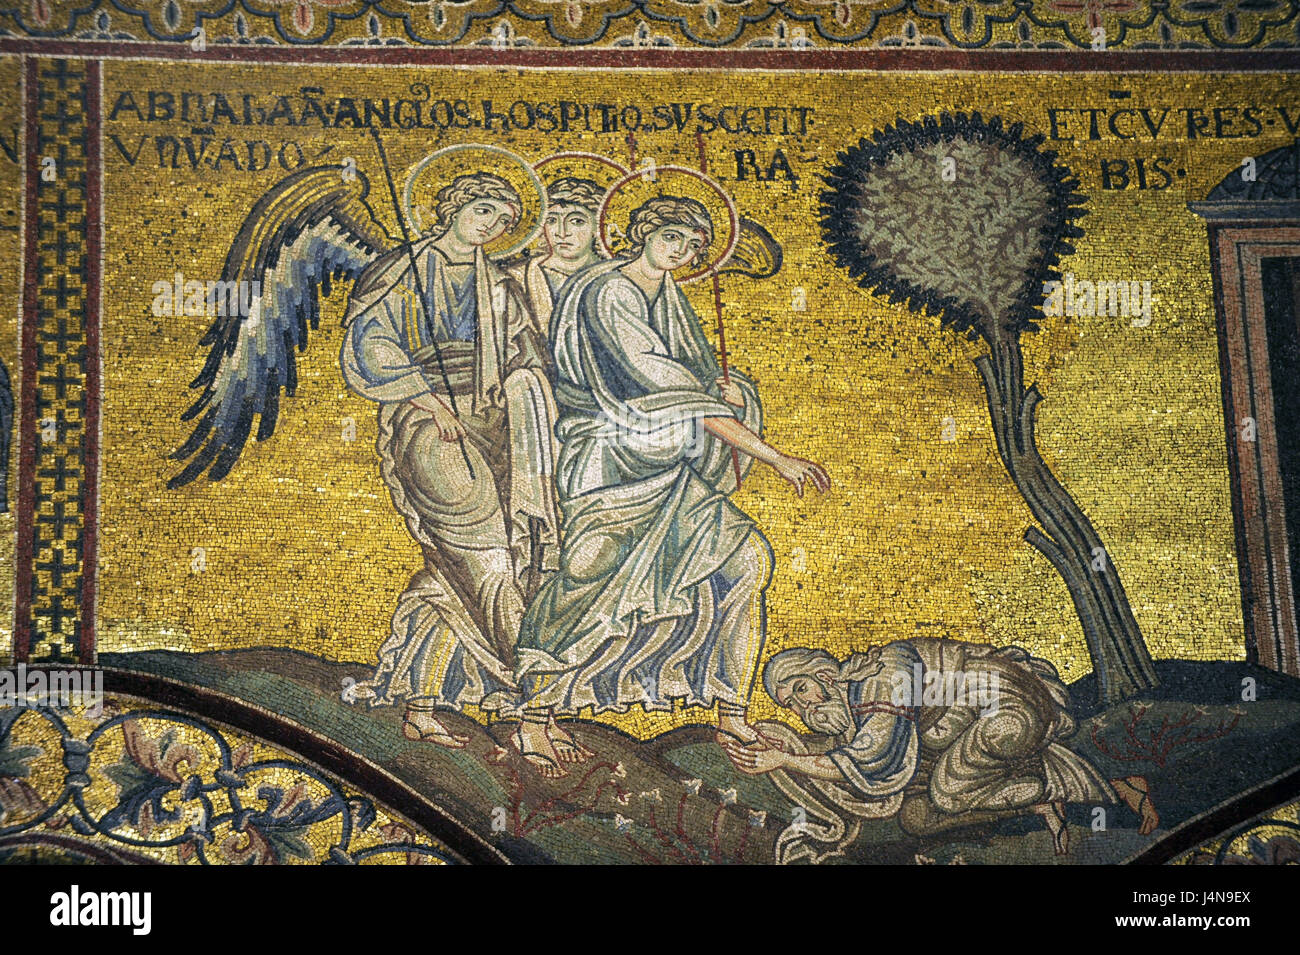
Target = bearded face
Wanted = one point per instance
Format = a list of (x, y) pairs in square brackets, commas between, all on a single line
[(831, 717), (820, 701)]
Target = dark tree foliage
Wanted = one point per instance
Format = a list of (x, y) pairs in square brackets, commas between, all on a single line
[(953, 248), (965, 218)]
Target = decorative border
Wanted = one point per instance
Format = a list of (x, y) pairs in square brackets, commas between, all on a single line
[(54, 589), (355, 770), (1275, 60), (650, 24), (309, 755)]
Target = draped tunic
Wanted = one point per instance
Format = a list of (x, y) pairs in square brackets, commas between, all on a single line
[(483, 536), (659, 594)]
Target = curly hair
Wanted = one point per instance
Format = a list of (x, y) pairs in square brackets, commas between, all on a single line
[(463, 190), (668, 210), (572, 191)]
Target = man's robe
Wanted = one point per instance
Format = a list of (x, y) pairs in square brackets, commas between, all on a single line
[(542, 285), (937, 765), (483, 539), (660, 590), (965, 756)]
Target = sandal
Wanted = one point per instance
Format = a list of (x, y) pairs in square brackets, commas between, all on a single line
[(444, 738), (547, 767)]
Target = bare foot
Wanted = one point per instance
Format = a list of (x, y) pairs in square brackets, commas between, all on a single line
[(423, 726), (1136, 794), (536, 747), (734, 728), (568, 749), (1053, 814)]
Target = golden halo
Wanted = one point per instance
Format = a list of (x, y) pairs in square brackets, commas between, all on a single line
[(440, 167), (636, 188), (601, 170)]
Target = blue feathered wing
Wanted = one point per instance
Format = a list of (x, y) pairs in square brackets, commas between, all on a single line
[(312, 228)]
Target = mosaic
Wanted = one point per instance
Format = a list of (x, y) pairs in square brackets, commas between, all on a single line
[(179, 791), (1095, 25), (431, 435)]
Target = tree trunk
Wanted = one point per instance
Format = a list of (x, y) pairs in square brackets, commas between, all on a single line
[(1067, 539)]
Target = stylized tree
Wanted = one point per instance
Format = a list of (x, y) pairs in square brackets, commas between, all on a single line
[(961, 217)]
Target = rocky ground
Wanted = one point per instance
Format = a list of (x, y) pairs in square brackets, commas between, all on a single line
[(677, 799)]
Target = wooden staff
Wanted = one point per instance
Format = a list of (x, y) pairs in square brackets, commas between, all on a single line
[(419, 288), (717, 309)]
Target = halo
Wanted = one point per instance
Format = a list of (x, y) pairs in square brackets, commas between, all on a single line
[(634, 189), (443, 165), (599, 169)]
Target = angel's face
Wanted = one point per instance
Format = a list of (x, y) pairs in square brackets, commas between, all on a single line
[(672, 246), (570, 232), (481, 220)]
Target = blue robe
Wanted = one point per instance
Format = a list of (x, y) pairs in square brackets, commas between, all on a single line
[(485, 537)]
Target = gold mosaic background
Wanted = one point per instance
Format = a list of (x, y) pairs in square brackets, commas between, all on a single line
[(918, 536)]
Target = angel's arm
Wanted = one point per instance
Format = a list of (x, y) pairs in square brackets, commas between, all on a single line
[(741, 438), (376, 361)]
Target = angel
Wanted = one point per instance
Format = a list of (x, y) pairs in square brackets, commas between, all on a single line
[(660, 594), (447, 345), (576, 186)]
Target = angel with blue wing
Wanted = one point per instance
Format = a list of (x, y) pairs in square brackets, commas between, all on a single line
[(448, 345)]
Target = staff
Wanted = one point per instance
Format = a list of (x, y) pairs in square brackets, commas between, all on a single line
[(717, 310), (419, 289)]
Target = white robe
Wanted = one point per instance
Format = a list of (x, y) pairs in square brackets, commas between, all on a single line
[(660, 591), (453, 633)]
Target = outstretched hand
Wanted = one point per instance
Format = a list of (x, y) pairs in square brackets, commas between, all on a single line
[(799, 472), (754, 758)]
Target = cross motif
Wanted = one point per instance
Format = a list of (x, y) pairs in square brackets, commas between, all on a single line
[(61, 354), (60, 246), (62, 74), (59, 473), (57, 567), (59, 520), (62, 338), (57, 612)]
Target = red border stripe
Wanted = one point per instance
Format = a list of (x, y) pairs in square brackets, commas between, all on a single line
[(26, 543), (90, 425), (986, 61)]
